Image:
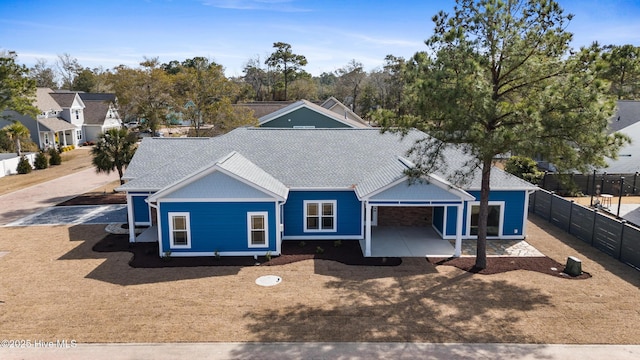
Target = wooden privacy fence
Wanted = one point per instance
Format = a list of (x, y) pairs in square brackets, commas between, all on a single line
[(614, 237)]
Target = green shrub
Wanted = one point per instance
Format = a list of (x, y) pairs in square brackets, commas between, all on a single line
[(319, 250), (42, 162), (524, 168), (54, 157), (23, 166)]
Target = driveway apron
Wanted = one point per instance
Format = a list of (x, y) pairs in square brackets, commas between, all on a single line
[(21, 203)]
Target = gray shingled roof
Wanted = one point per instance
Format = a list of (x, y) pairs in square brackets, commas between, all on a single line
[(44, 101), (95, 112), (56, 124), (107, 97), (298, 158), (65, 100), (628, 161), (627, 113)]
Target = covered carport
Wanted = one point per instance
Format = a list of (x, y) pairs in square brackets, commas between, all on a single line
[(399, 218)]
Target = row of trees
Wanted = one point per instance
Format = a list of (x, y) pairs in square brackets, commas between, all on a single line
[(281, 76)]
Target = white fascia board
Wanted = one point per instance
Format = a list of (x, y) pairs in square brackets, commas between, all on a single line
[(304, 188), (213, 200)]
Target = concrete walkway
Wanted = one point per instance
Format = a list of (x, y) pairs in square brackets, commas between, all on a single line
[(71, 351), (21, 203)]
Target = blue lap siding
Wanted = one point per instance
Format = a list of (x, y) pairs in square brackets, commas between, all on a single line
[(219, 226), (513, 224), (140, 208), (348, 212)]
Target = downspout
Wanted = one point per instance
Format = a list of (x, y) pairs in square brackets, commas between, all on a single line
[(159, 227)]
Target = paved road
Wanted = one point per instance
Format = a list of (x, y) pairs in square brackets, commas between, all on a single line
[(325, 351), (21, 203)]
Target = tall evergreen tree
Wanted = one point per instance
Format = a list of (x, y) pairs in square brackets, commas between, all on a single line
[(286, 61), (500, 78)]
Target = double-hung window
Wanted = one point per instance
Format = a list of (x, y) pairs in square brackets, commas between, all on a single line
[(320, 216), (257, 229), (179, 230)]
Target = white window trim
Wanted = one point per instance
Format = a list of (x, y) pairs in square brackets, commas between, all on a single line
[(320, 202), (79, 134), (170, 216), (491, 203), (265, 216)]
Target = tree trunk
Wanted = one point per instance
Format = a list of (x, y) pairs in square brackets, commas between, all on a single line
[(481, 253), (120, 173), (18, 146)]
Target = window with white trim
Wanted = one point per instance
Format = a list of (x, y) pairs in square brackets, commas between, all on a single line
[(179, 230), (79, 134), (494, 220), (77, 114), (320, 216), (258, 229)]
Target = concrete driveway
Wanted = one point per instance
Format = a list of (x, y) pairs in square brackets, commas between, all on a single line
[(25, 202), (75, 215)]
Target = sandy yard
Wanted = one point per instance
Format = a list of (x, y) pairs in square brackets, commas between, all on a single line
[(53, 286)]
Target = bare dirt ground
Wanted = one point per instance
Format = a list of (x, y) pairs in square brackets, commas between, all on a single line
[(72, 161), (53, 286)]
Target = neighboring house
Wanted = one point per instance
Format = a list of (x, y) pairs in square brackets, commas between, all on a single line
[(68, 118), (336, 106), (305, 114), (245, 192), (100, 114)]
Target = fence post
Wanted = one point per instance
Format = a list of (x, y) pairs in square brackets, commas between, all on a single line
[(570, 213), (593, 187), (551, 207), (620, 195), (624, 224), (634, 182), (602, 183), (593, 228)]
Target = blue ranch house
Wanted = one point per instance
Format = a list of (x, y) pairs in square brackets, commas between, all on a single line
[(245, 192)]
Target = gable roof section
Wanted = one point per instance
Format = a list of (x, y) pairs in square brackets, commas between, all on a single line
[(361, 159), (336, 106), (95, 112), (234, 166), (67, 99), (388, 185), (311, 106)]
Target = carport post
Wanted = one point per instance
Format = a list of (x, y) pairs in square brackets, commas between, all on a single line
[(458, 250), (130, 217), (367, 230)]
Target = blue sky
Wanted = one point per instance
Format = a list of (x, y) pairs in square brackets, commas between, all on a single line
[(329, 33)]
